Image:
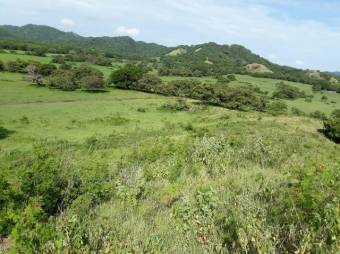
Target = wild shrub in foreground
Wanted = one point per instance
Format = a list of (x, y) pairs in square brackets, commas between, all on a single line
[(305, 211), (332, 127)]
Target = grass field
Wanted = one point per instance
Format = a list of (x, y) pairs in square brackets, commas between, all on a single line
[(137, 178)]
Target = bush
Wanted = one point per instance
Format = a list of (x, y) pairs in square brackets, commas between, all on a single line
[(86, 71), (63, 80), (127, 76), (332, 127), (148, 83), (2, 66), (16, 66), (318, 115), (92, 83), (285, 91), (179, 105), (307, 206), (277, 108), (65, 66), (222, 80), (297, 112), (4, 132), (231, 77), (47, 69)]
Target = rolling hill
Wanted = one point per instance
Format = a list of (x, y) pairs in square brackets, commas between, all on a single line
[(196, 60), (122, 45)]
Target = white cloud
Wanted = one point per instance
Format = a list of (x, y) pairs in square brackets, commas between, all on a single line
[(299, 62), (122, 30), (67, 22)]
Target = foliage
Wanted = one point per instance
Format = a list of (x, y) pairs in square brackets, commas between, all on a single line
[(85, 71), (308, 200), (277, 108), (285, 91), (332, 126), (64, 80), (4, 132), (127, 76), (318, 115), (92, 83), (2, 66)]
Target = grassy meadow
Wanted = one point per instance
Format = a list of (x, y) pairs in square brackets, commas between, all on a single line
[(139, 177)]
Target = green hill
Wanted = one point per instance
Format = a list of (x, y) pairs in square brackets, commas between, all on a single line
[(123, 46), (197, 60)]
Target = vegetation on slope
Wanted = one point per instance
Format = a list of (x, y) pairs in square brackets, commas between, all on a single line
[(137, 172)]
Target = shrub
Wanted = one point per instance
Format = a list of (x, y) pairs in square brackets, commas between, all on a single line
[(231, 77), (63, 80), (65, 66), (127, 76), (277, 108), (179, 105), (86, 71), (332, 127), (148, 83), (222, 80), (2, 66), (46, 69), (318, 115), (285, 91), (58, 59), (92, 83), (4, 133), (307, 206), (16, 66), (297, 112)]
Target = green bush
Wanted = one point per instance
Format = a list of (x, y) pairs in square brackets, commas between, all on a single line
[(179, 105), (318, 115), (297, 112), (285, 91), (332, 127), (92, 83), (64, 80), (86, 71), (2, 66), (127, 76), (307, 206), (277, 108)]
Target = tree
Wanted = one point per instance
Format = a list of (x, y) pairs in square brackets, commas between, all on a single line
[(92, 83), (285, 91), (47, 69), (127, 76), (33, 75), (63, 80), (148, 83), (85, 71)]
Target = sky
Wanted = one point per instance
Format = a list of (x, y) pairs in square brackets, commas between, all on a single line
[(299, 33)]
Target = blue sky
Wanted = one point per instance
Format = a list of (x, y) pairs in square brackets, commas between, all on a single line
[(300, 33)]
